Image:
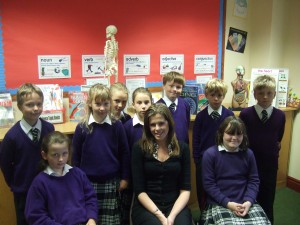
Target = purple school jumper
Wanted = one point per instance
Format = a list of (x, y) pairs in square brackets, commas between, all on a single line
[(229, 176), (20, 156), (125, 118), (68, 200), (134, 133), (264, 137), (181, 118), (204, 131), (102, 154)]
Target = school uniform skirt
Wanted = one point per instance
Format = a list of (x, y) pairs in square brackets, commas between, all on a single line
[(215, 214), (108, 197)]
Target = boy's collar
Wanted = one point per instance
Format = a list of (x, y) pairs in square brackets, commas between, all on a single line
[(210, 110), (27, 127), (259, 109), (169, 102)]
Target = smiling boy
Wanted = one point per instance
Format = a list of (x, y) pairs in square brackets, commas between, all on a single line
[(173, 83)]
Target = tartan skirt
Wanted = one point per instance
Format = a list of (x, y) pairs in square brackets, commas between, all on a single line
[(215, 214), (108, 198)]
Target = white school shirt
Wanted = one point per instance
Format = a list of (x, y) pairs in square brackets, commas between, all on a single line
[(26, 127)]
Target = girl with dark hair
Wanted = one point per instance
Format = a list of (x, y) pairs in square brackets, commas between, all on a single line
[(230, 178)]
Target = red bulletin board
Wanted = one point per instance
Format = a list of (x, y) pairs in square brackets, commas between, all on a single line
[(76, 27)]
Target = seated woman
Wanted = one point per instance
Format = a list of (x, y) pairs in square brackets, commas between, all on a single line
[(160, 172), (230, 178)]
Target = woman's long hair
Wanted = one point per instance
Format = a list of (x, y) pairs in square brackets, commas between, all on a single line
[(148, 140)]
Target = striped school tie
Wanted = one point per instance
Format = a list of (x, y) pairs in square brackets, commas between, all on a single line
[(264, 117), (172, 107), (215, 115), (35, 134)]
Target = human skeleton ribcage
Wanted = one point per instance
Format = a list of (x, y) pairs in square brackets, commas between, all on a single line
[(111, 57)]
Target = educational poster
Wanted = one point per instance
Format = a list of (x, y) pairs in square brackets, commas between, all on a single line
[(204, 64), (236, 40), (282, 87), (171, 63), (203, 79), (92, 81), (136, 65), (54, 66), (281, 78), (53, 96), (6, 110), (133, 84), (240, 8), (77, 102), (93, 65)]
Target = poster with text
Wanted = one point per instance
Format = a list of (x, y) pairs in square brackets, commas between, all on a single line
[(92, 81), (281, 79), (204, 64), (93, 65), (136, 65), (54, 66), (133, 84), (171, 63)]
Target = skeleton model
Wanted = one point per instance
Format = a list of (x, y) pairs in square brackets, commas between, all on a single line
[(240, 89), (111, 53)]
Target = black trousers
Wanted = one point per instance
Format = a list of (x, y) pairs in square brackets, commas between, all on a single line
[(267, 189), (201, 197), (20, 202)]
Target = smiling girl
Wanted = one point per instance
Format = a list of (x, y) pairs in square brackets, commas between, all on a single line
[(101, 151), (230, 178)]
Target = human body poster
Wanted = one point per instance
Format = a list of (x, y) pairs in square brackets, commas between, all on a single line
[(236, 40), (54, 66)]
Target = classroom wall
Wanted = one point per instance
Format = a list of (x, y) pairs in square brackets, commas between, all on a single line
[(291, 56), (272, 41), (76, 28)]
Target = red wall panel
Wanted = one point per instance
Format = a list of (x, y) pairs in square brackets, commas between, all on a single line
[(76, 27)]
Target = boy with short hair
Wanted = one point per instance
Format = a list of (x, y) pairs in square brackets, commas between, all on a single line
[(265, 127), (20, 148), (206, 124), (173, 83)]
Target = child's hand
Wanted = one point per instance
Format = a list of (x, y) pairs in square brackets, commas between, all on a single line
[(246, 206), (91, 222), (123, 185), (236, 208)]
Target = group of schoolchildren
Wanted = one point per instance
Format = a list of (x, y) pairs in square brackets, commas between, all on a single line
[(236, 158)]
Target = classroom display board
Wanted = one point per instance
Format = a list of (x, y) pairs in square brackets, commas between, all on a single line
[(67, 32)]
